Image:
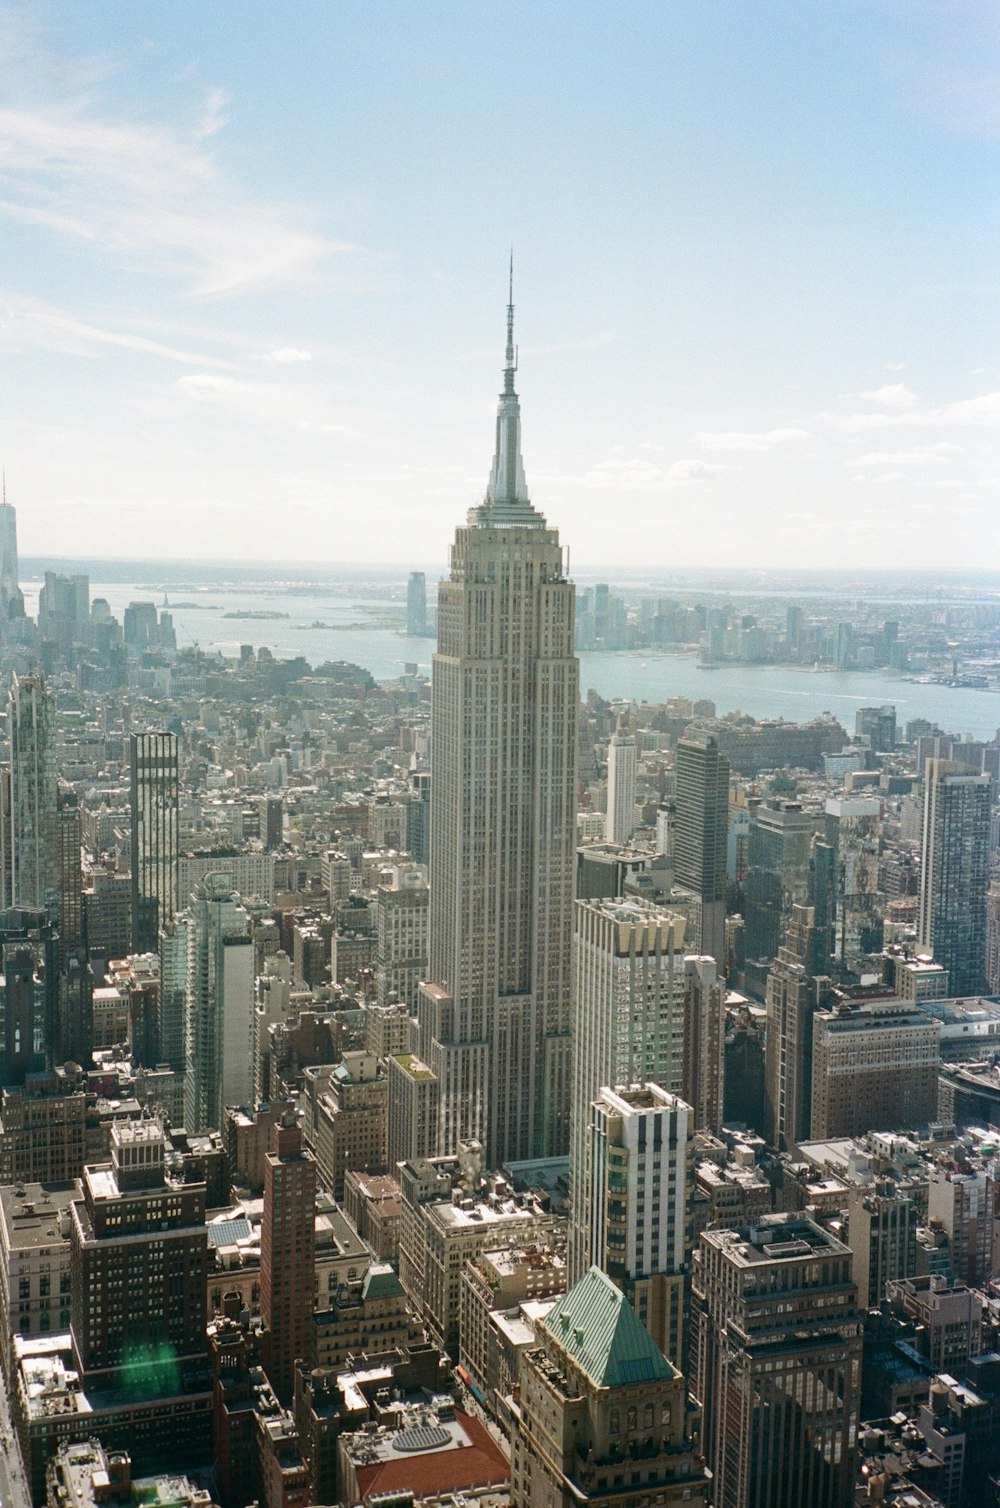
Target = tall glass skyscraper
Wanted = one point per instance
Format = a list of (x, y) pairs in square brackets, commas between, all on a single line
[(495, 1014), (154, 784), (954, 873), (11, 596), (33, 843), (702, 826)]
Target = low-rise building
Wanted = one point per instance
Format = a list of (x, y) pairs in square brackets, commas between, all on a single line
[(427, 1449), (85, 1475), (501, 1295)]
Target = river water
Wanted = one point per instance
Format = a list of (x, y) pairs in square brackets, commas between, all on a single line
[(324, 624)]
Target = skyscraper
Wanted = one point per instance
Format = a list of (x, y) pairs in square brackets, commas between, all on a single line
[(954, 872), (628, 1024), (416, 605), (853, 829), (622, 759), (11, 596), (779, 855), (33, 853), (702, 824), (703, 1082), (288, 1253), (495, 1015), (155, 804), (640, 1173), (794, 994), (219, 1004), (778, 1382)]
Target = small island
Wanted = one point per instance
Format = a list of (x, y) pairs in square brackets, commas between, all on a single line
[(256, 615)]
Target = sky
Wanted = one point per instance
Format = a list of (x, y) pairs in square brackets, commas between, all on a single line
[(253, 276)]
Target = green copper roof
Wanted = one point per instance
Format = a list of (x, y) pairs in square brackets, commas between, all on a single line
[(598, 1327), (381, 1282)]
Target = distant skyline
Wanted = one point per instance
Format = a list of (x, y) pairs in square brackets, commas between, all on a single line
[(254, 273)]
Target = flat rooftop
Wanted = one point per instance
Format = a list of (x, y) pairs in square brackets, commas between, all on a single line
[(776, 1240)]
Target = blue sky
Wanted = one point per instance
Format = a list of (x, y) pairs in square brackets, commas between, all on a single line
[(253, 275)]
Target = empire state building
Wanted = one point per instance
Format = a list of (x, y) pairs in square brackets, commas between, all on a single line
[(494, 1016)]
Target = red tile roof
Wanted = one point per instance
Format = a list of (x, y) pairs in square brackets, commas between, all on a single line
[(481, 1463)]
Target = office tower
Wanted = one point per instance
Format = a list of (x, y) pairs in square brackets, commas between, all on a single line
[(412, 1093), (416, 605), (219, 1004), (155, 797), (853, 830), (418, 817), (703, 1080), (138, 1266), (794, 993), (882, 1234), (28, 995), (63, 608), (640, 1178), (628, 1023), (34, 845), (74, 1041), (70, 867), (600, 1415), (602, 613), (873, 1069), (272, 818), (173, 949), (878, 725), (993, 938), (11, 596), (795, 622), (954, 873), (401, 933), (288, 1253), (779, 852), (701, 828), (495, 1015), (622, 759), (779, 1382), (349, 1126)]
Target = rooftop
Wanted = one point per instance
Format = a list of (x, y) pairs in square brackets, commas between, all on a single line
[(599, 1330), (425, 1451), (780, 1238)]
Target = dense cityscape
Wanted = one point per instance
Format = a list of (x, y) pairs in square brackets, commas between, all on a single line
[(478, 1090)]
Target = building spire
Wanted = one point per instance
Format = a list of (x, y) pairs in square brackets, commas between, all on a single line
[(511, 354), (507, 491)]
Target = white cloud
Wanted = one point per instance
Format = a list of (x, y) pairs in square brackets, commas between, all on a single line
[(284, 356), (148, 198), (214, 117), (920, 455), (748, 439), (26, 322), (692, 471), (894, 395)]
